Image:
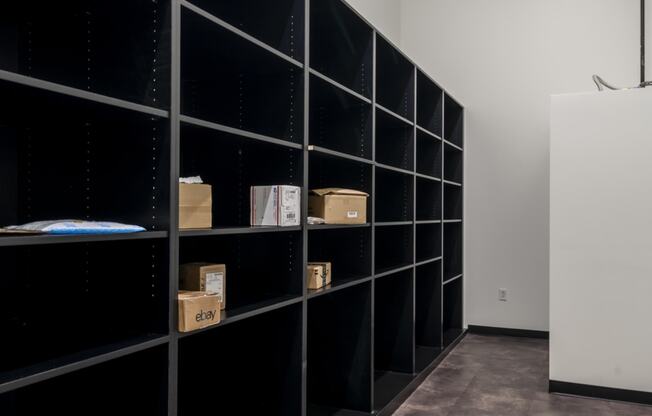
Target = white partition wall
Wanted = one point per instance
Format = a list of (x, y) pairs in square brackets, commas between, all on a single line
[(601, 241)]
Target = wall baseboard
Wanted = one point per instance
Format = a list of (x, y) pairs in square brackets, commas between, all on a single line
[(608, 393), (525, 333)]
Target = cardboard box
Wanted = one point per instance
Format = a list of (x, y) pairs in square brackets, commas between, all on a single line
[(195, 206), (275, 205), (198, 310), (338, 206), (205, 277), (318, 274)]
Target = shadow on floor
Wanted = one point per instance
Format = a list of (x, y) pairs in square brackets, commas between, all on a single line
[(501, 376)]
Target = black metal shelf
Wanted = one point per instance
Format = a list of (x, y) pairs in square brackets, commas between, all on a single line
[(46, 239), (394, 169), (427, 261), (428, 133), (452, 279), (317, 227), (338, 285), (55, 88), (388, 271), (453, 145), (395, 115), (243, 133), (200, 232), (392, 223), (106, 105), (235, 315), (333, 153)]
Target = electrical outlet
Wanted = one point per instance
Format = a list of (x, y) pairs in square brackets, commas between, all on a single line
[(502, 295)]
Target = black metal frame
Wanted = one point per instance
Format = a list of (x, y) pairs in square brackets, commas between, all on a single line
[(390, 276)]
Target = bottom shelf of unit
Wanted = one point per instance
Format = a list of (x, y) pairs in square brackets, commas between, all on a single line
[(424, 356), (314, 410), (387, 385), (450, 335)]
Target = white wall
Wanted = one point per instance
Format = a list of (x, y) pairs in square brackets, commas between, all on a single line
[(503, 59), (601, 239), (384, 14)]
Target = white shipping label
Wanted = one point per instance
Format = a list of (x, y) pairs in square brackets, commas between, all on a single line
[(352, 214), (215, 283), (290, 196)]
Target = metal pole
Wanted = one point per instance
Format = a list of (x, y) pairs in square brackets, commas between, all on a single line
[(642, 42)]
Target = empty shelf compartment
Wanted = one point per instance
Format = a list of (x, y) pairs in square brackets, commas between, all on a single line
[(428, 199), (258, 91), (78, 299), (428, 241), (393, 336), (262, 353), (453, 164), (429, 155), (343, 379), (453, 122), (394, 80), (394, 196), (428, 310), (429, 104), (279, 24), (338, 120), (453, 309), (139, 379), (394, 142), (393, 247), (119, 49), (453, 250), (453, 202), (341, 45)]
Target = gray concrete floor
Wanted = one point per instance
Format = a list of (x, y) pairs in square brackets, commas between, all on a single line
[(501, 376)]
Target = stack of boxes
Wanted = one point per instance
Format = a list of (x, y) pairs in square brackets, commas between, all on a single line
[(203, 285)]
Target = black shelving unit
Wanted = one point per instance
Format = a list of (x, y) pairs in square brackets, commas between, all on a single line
[(107, 105)]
